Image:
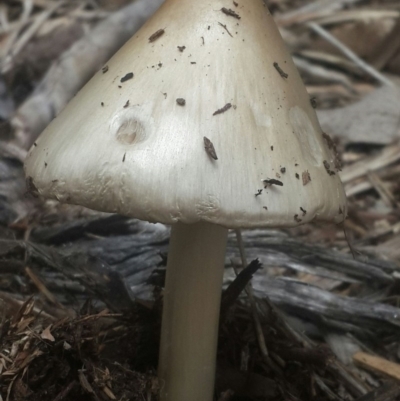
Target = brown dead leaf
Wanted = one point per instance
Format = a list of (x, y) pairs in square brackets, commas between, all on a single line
[(24, 358), (46, 334), (24, 323)]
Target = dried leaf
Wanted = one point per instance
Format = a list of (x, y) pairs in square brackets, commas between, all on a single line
[(46, 334)]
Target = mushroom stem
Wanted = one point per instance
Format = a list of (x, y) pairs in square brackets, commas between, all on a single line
[(192, 299)]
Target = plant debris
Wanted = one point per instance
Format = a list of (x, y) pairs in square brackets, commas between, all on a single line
[(156, 35), (279, 69), (332, 146), (67, 358), (328, 168), (80, 291), (209, 147), (226, 29), (230, 12), (306, 177), (31, 187), (272, 181), (223, 109), (126, 77)]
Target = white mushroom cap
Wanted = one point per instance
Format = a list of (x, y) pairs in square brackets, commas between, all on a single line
[(129, 147)]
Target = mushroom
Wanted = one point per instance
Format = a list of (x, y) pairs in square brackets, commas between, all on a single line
[(152, 159)]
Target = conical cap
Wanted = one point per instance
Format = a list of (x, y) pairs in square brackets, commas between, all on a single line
[(201, 79)]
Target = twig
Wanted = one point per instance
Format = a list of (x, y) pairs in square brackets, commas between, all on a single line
[(7, 63), (237, 286), (313, 10), (347, 239), (387, 392), (388, 155), (42, 288), (349, 54), (257, 323), (331, 395), (384, 192), (65, 391), (377, 365), (226, 29)]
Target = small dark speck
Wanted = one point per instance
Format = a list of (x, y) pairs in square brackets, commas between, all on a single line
[(296, 164), (35, 144), (159, 65), (181, 101), (119, 86), (259, 192), (297, 219), (127, 77), (303, 210), (328, 168), (297, 176), (235, 4), (265, 208), (104, 69), (313, 102), (181, 48), (45, 164), (126, 104), (192, 62), (123, 159), (102, 104), (208, 27), (272, 148), (283, 170)]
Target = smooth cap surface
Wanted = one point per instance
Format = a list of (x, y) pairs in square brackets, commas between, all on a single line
[(201, 116)]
